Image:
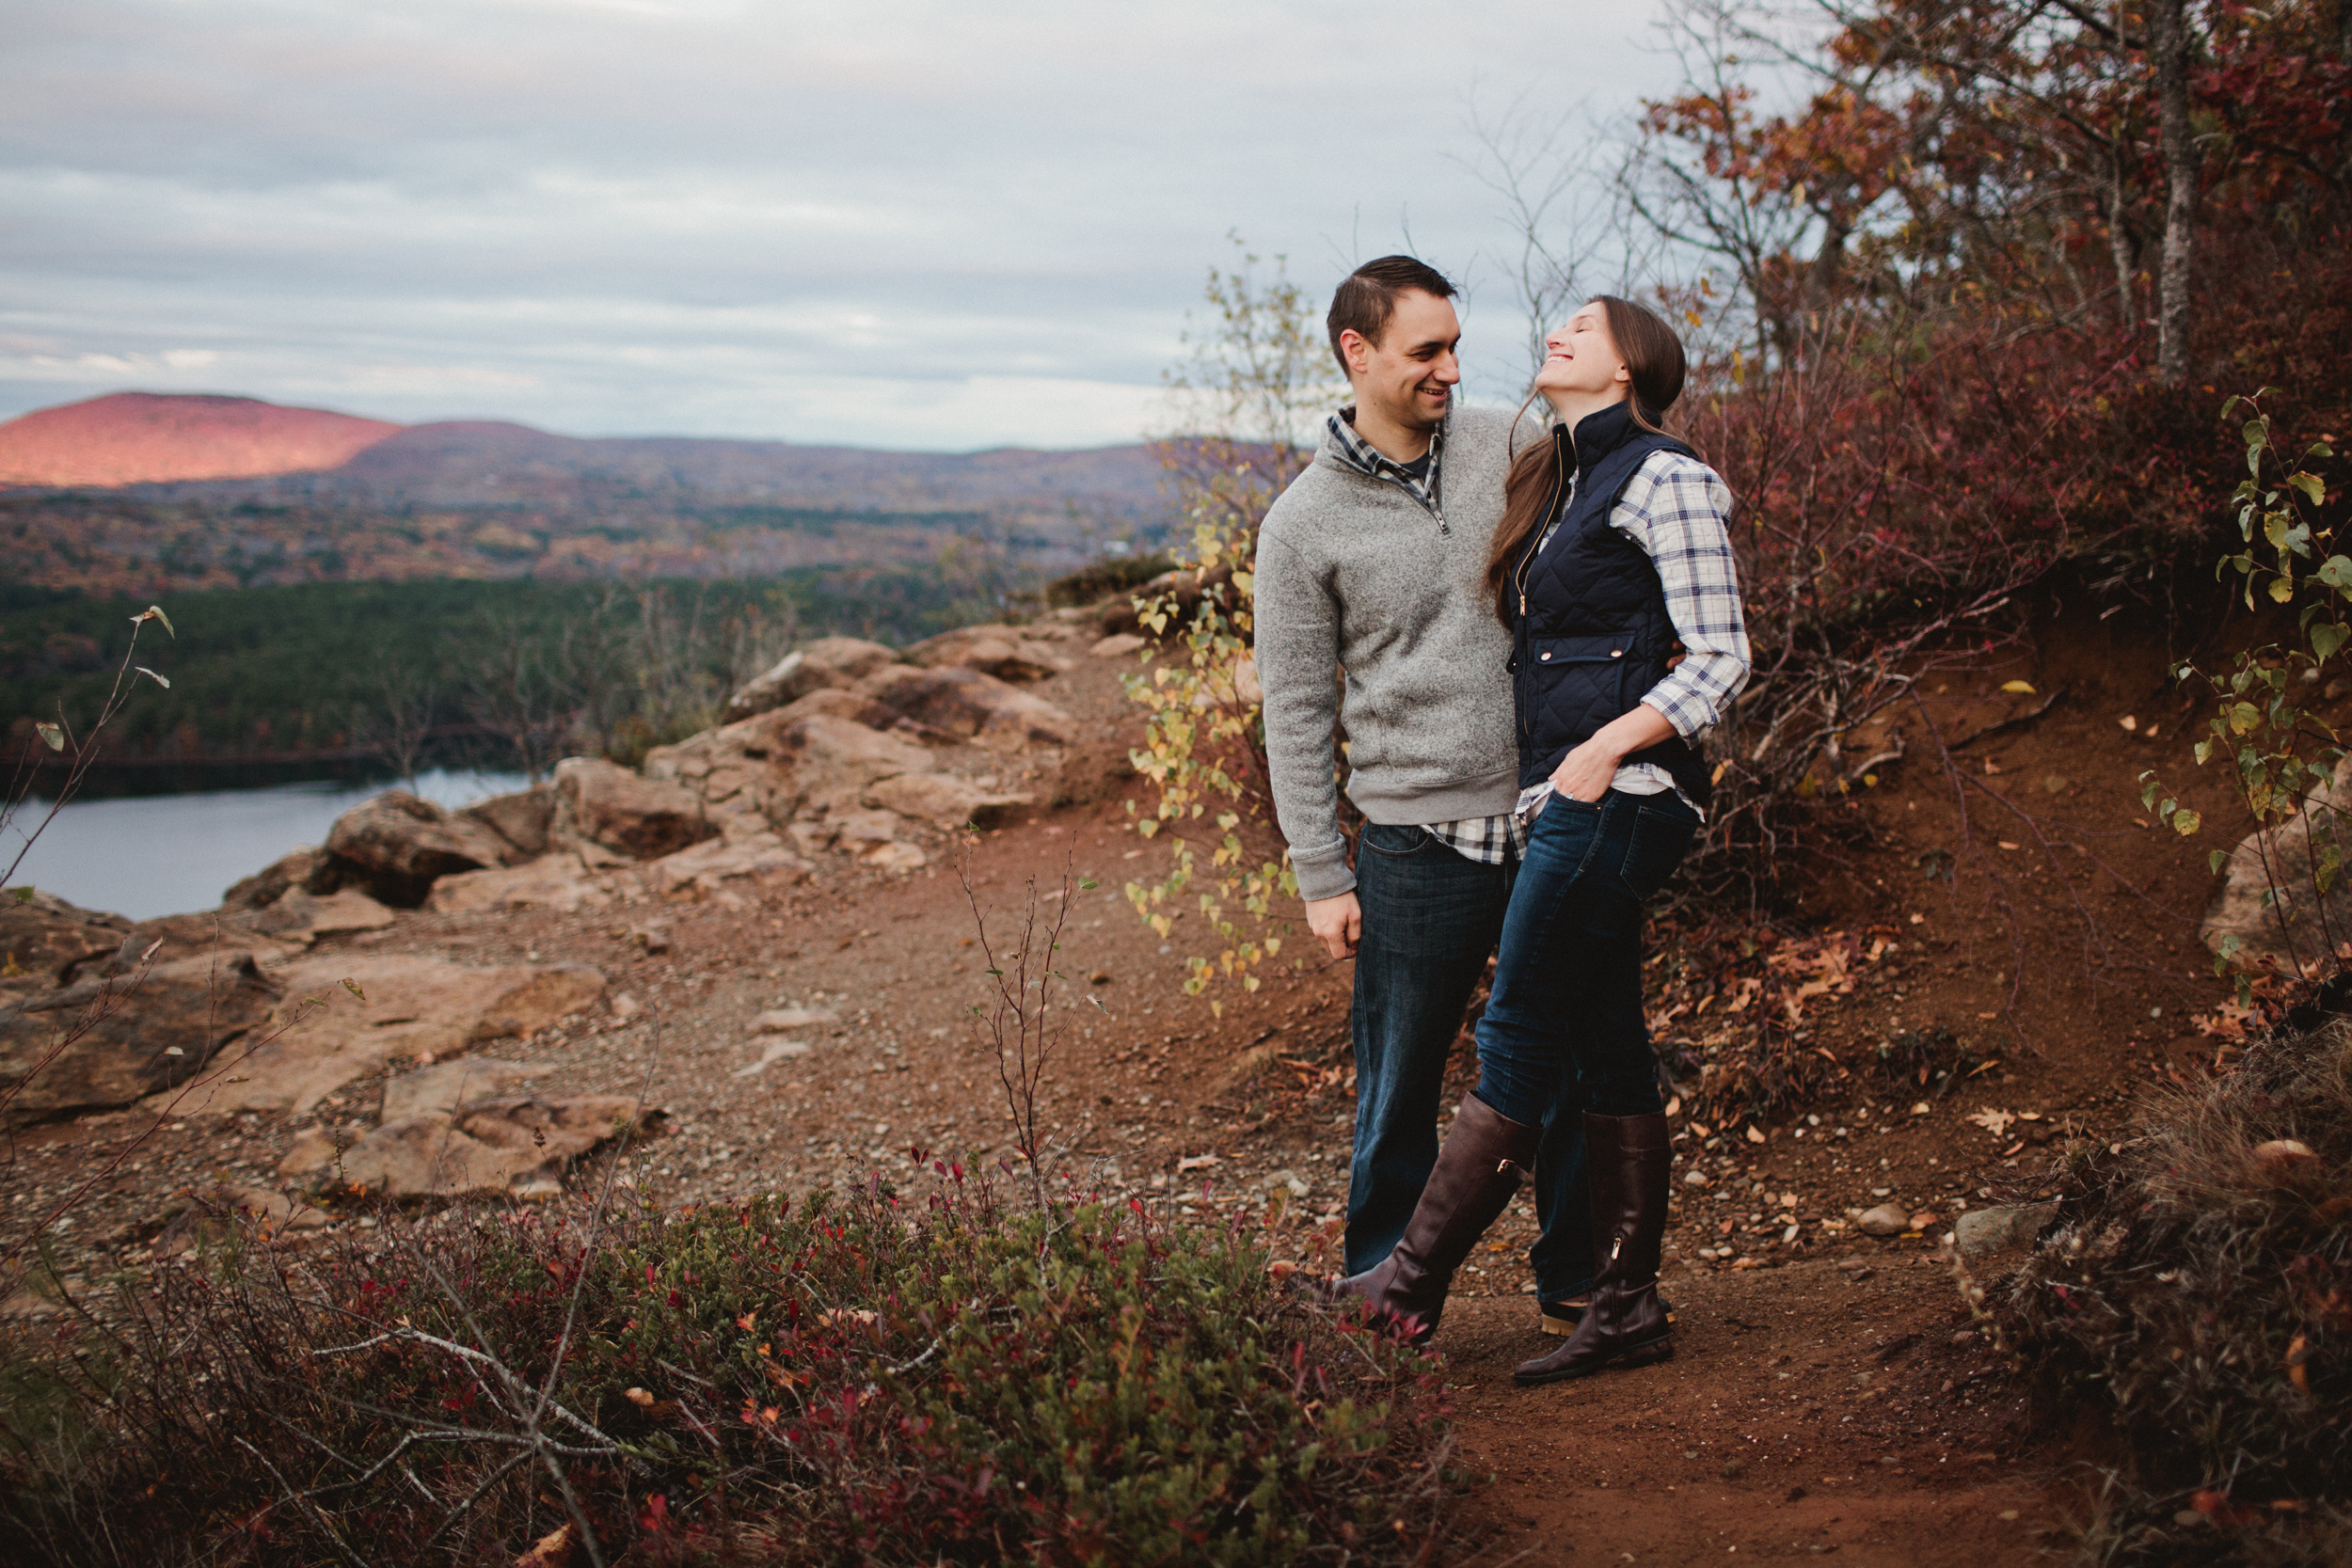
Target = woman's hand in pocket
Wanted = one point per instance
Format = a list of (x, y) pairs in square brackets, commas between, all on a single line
[(1585, 773)]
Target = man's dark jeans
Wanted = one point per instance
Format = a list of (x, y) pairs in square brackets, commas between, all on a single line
[(1431, 919)]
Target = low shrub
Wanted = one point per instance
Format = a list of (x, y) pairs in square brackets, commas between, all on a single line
[(2195, 1293), (1099, 581), (873, 1379)]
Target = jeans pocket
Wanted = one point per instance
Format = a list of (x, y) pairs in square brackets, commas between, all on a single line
[(1385, 838), (1661, 837)]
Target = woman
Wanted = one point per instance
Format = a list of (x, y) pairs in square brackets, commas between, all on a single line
[(1614, 544)]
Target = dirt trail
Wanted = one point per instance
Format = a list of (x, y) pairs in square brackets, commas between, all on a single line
[(1829, 1393)]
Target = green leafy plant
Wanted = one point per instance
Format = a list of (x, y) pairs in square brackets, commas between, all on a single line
[(2281, 753), (1259, 379), (917, 1373)]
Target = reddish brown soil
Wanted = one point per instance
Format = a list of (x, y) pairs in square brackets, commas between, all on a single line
[(1830, 1393)]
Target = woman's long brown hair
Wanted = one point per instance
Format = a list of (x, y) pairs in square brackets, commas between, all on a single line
[(1654, 365)]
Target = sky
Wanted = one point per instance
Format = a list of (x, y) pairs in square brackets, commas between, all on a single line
[(890, 223)]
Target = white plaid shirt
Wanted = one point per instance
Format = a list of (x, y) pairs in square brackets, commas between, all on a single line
[(1679, 510)]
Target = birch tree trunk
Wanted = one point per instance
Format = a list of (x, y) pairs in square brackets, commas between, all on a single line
[(2169, 45)]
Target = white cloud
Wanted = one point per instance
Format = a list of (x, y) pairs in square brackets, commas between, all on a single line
[(982, 224)]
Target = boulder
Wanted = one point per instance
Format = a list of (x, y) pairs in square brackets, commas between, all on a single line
[(140, 1037), (43, 939), (487, 1149), (760, 858), (2270, 897), (408, 1005), (642, 818), (966, 702), (439, 1089), (1116, 646), (1983, 1235), (829, 661), (943, 800), (550, 882), (833, 761), (310, 868), (303, 918), (1003, 652), (522, 819), (396, 846)]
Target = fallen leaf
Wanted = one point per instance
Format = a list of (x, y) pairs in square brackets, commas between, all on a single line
[(1755, 1135), (1196, 1162), (1995, 1122), (2020, 688)]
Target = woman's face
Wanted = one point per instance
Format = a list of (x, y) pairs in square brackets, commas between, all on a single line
[(1582, 364)]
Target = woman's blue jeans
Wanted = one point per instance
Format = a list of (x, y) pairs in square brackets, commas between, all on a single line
[(1566, 1018), (1431, 918)]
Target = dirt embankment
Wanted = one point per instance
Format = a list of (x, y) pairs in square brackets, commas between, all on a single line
[(1830, 1391)]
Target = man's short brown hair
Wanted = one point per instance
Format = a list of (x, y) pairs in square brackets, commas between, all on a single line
[(1364, 302)]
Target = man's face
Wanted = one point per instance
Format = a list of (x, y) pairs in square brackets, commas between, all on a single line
[(1409, 374)]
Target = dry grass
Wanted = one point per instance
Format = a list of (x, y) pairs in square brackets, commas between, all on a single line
[(2197, 1293)]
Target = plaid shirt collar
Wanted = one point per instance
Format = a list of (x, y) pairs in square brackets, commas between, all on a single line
[(1366, 459)]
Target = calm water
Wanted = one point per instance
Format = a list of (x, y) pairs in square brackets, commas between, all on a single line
[(169, 854)]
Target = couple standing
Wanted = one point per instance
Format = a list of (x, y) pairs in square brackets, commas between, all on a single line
[(1490, 612)]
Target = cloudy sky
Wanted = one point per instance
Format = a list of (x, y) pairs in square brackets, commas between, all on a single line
[(893, 223)]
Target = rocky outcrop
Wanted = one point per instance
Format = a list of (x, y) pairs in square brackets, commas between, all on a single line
[(523, 819), (555, 882), (753, 860), (420, 1008), (517, 1146), (308, 868), (43, 939), (1007, 652), (2270, 897), (638, 817), (111, 1040), (395, 846), (943, 801), (830, 661), (970, 704)]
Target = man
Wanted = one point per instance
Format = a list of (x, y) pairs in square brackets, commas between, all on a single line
[(1372, 616)]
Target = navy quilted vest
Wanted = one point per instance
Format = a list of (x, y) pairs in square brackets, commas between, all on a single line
[(1590, 633)]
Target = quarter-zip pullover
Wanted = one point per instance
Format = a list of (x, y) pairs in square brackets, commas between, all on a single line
[(1373, 617)]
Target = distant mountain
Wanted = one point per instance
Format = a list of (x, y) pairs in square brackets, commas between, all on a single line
[(224, 507), (200, 448), (138, 437)]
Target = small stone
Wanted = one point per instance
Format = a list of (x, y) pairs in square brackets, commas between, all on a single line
[(1734, 1469), (1289, 1181), (1887, 1219), (777, 1021), (2056, 783), (653, 938), (1922, 1220), (624, 1007), (1116, 644), (1694, 1178), (1982, 1234), (1965, 1337)]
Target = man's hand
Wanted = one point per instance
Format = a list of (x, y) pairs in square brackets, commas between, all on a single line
[(1337, 923)]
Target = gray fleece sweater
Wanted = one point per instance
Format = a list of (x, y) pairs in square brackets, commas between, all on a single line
[(1357, 583)]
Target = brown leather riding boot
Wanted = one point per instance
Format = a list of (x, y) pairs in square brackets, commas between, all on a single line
[(1485, 1157), (1625, 1323)]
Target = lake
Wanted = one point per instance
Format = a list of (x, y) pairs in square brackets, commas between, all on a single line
[(171, 854)]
